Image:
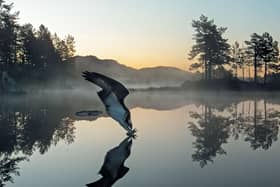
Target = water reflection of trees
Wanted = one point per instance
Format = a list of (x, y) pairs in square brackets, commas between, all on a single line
[(25, 129), (211, 131), (253, 121), (8, 167), (262, 129)]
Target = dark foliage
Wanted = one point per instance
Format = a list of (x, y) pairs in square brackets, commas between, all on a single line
[(214, 54), (31, 55)]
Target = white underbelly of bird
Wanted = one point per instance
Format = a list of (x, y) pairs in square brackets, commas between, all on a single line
[(114, 108)]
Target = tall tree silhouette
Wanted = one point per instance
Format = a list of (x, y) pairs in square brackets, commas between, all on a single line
[(8, 34), (65, 48), (28, 46), (210, 46), (47, 54), (70, 43), (270, 53), (254, 49), (237, 58)]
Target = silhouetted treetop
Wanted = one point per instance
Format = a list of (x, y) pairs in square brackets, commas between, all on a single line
[(210, 46)]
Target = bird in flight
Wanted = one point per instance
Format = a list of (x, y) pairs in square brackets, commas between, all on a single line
[(112, 96)]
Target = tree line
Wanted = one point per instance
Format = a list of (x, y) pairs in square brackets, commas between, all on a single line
[(25, 50), (218, 59)]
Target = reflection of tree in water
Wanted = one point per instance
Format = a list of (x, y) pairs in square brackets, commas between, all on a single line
[(261, 131), (8, 167), (211, 131), (213, 127), (24, 130)]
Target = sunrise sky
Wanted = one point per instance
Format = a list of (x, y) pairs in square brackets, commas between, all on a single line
[(146, 33)]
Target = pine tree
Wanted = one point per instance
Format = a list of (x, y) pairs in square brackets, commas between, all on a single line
[(210, 46)]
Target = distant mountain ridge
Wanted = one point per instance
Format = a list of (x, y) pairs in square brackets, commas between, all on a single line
[(152, 76)]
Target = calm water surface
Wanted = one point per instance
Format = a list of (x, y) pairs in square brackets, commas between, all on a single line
[(183, 139)]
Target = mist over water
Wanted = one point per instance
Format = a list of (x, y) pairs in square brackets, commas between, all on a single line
[(203, 125), (183, 139)]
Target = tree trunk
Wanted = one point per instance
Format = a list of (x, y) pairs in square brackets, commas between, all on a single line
[(265, 111), (243, 73), (205, 114), (235, 111), (249, 110), (265, 73), (205, 70), (210, 71), (255, 69), (255, 112), (249, 73), (210, 113)]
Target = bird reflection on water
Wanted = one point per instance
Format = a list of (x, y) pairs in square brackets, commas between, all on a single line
[(113, 167)]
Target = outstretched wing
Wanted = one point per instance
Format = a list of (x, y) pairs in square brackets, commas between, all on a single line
[(107, 84)]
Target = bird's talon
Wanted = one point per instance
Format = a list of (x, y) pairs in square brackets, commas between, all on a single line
[(132, 133)]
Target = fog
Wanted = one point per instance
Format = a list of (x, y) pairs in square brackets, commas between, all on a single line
[(71, 101)]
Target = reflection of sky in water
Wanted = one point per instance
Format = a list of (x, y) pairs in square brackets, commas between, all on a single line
[(161, 155)]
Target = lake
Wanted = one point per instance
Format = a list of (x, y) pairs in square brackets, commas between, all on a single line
[(183, 139)]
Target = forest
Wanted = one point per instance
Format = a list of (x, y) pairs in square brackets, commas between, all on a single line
[(28, 54), (254, 62)]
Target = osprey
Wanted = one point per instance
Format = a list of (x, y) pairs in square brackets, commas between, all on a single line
[(112, 95), (113, 167)]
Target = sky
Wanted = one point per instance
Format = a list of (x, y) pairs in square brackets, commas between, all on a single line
[(147, 33)]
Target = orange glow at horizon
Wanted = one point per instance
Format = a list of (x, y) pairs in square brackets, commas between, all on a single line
[(142, 62), (139, 56)]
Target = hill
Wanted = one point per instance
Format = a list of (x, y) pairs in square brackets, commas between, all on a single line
[(145, 77)]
